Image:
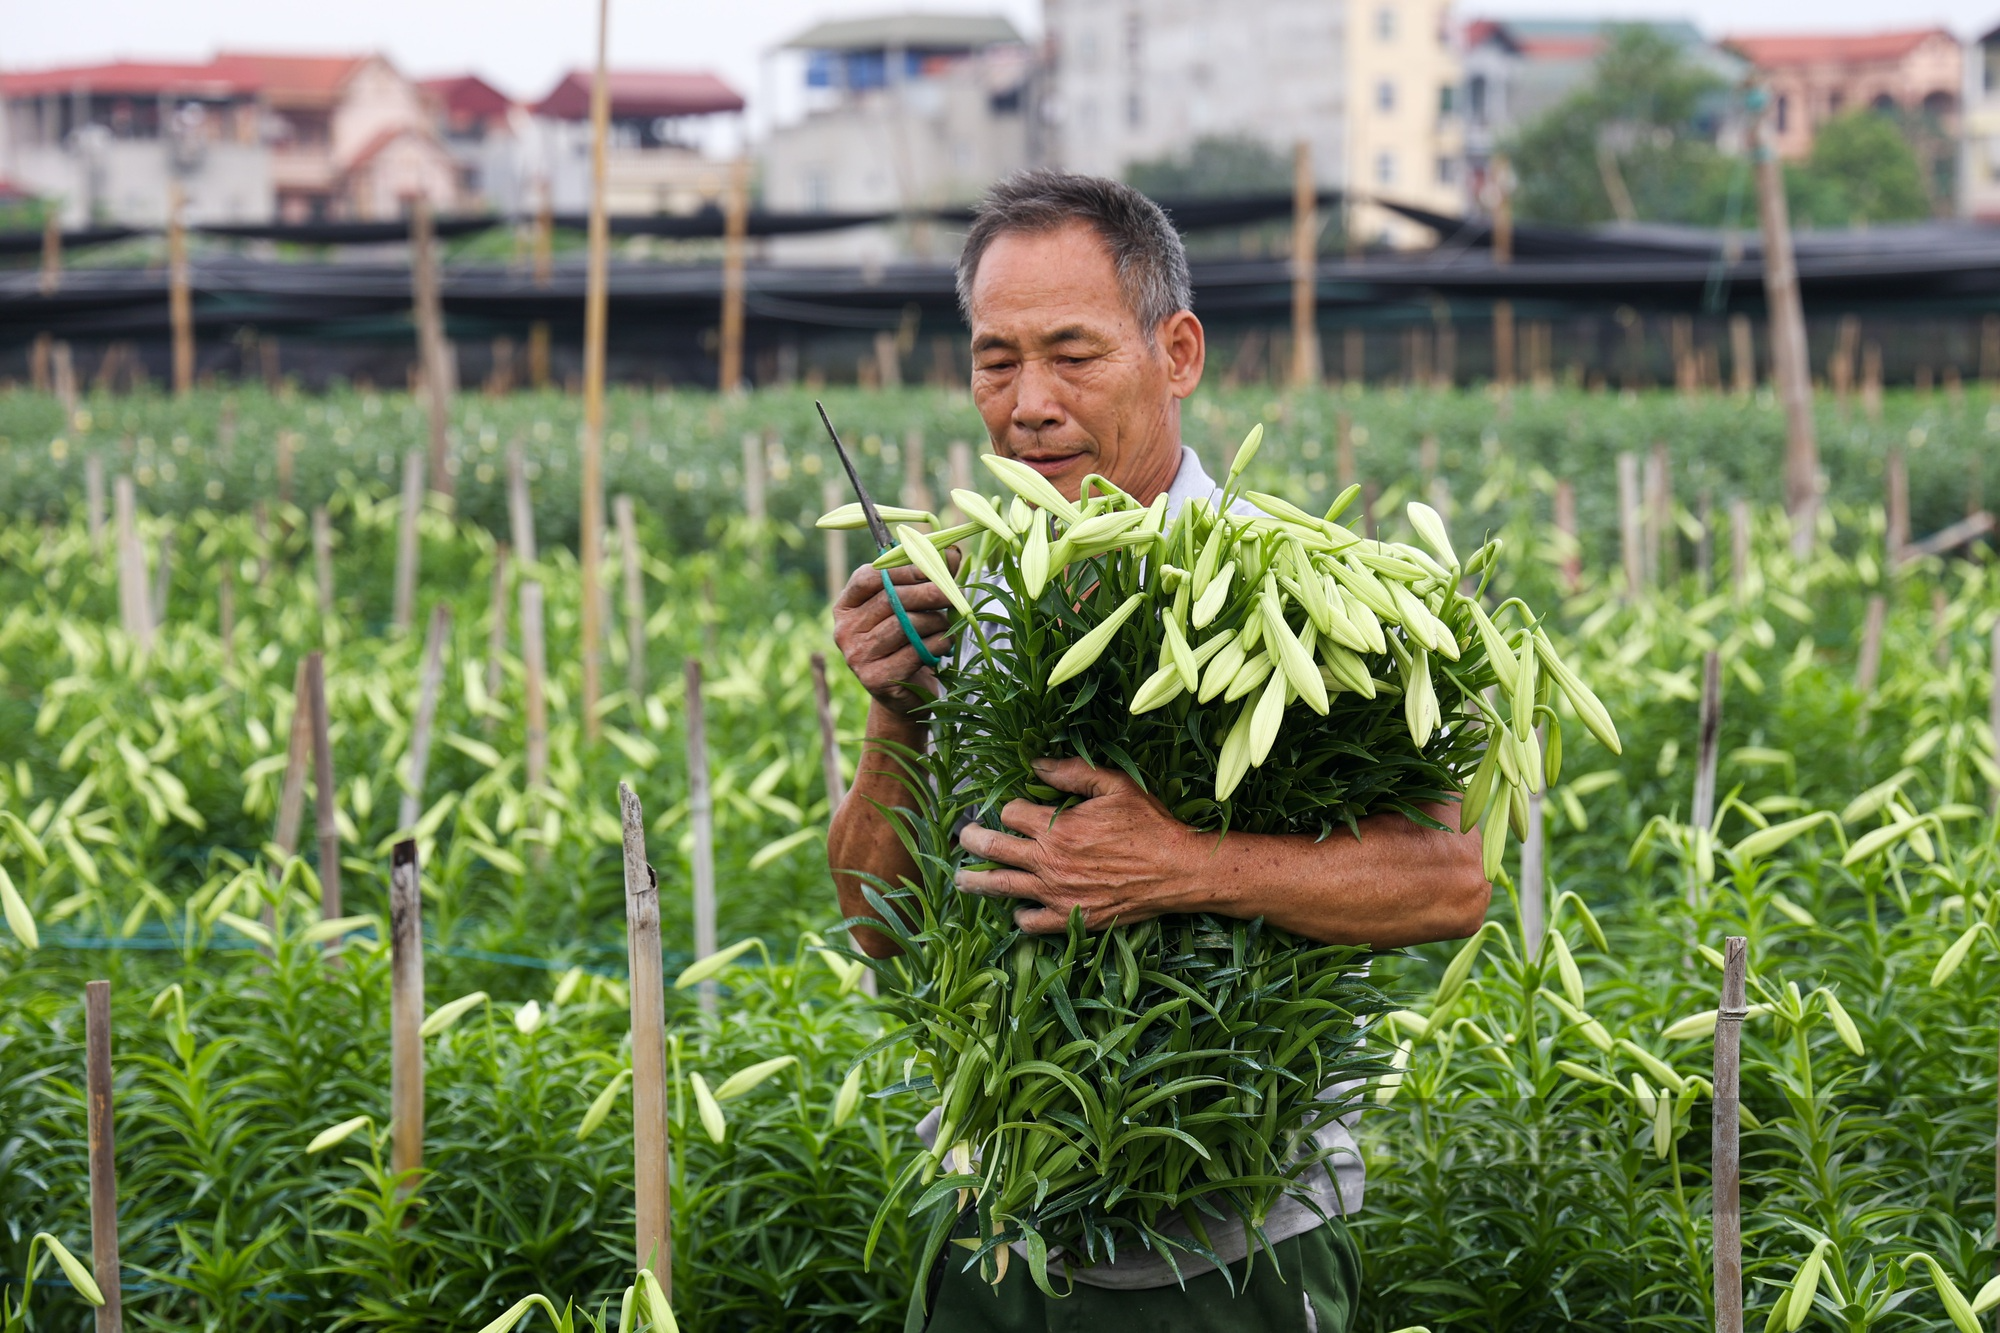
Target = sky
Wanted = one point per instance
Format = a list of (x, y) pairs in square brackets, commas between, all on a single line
[(523, 46)]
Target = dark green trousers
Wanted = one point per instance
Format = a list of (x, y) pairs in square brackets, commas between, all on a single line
[(1321, 1267)]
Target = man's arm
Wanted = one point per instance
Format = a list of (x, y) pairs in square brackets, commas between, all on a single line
[(1122, 857), (860, 841)]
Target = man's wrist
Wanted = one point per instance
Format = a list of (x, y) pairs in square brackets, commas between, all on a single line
[(888, 724), (1216, 876)]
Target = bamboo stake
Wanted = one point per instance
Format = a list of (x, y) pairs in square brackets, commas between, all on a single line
[(1739, 547), (292, 795), (701, 816), (1572, 561), (1655, 516), (103, 1161), (93, 499), (288, 447), (126, 504), (52, 252), (1628, 525), (1870, 666), (835, 542), (496, 628), (1788, 345), (520, 508), (226, 616), (408, 547), (322, 539), (1305, 269), (735, 231), (753, 479), (534, 658), (653, 1239), (595, 307), (1727, 1154), (916, 479), (406, 1014), (1742, 357), (427, 298), (62, 368), (1898, 535), (1871, 380), (180, 303), (326, 825), (1708, 740), (412, 807), (635, 597), (1354, 352)]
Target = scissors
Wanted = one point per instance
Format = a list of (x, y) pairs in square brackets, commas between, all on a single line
[(880, 531)]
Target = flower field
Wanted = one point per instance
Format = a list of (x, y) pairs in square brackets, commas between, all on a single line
[(1539, 1159)]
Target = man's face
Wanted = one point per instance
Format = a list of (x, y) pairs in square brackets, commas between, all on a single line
[(1065, 378)]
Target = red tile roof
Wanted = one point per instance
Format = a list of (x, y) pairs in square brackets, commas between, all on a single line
[(467, 98), (642, 94), (1830, 48), (283, 79)]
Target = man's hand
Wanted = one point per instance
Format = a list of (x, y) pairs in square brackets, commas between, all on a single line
[(870, 638), (1118, 854)]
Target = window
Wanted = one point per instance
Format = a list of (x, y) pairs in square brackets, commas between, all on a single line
[(1385, 96), (1447, 99), (1447, 171), (1385, 168), (1475, 97), (1385, 24)]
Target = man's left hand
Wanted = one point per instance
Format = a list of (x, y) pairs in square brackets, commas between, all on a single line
[(1119, 855)]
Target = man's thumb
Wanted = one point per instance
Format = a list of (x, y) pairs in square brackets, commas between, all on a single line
[(1078, 777)]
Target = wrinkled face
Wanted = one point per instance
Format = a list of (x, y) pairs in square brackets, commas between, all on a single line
[(1065, 378)]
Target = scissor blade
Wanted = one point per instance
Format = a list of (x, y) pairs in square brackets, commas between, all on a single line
[(876, 527)]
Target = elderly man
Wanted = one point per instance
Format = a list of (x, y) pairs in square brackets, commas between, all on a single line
[(1083, 346)]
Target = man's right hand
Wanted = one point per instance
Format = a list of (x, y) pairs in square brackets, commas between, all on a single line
[(868, 635)]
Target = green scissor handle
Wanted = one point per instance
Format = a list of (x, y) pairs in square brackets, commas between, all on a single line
[(924, 655)]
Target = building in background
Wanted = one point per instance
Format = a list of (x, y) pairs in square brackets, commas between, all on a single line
[(1979, 129), (1917, 74), (900, 112), (247, 137), (1369, 85), (654, 162), (476, 121), (1518, 69)]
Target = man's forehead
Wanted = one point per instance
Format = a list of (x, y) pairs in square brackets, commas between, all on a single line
[(1048, 285)]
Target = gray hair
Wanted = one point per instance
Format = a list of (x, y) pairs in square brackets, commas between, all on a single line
[(1145, 249)]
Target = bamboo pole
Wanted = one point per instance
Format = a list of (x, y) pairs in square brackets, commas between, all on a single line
[(1739, 547), (544, 261), (322, 539), (1354, 353), (1742, 357), (520, 507), (835, 542), (701, 816), (1565, 515), (1305, 269), (1656, 515), (735, 231), (103, 1160), (1727, 1153), (326, 825), (635, 597), (408, 546), (288, 443), (534, 658), (406, 1014), (916, 472), (590, 541), (1503, 255), (1628, 525), (1709, 737), (1788, 344), (1898, 478), (496, 628), (1840, 364), (427, 298), (653, 1239), (52, 252), (62, 369), (412, 807), (93, 499), (180, 302), (754, 507), (292, 795), (1869, 669), (226, 617)]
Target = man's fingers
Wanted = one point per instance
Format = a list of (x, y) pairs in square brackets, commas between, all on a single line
[(1041, 921), (1078, 777), (1000, 883), (1002, 847), (1025, 817)]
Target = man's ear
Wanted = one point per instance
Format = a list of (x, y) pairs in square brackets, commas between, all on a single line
[(1185, 344)]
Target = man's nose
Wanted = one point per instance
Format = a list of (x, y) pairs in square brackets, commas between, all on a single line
[(1037, 404)]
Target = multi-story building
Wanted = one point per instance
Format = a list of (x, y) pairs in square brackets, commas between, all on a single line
[(1918, 73), (476, 122), (654, 161), (1368, 85), (246, 137), (899, 113), (1979, 145)]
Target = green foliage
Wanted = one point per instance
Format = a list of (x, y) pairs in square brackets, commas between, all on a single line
[(1862, 171), (1213, 166)]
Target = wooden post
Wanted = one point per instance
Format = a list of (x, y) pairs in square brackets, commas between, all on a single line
[(835, 542), (180, 302), (1572, 561), (412, 807), (62, 369), (406, 1014), (520, 507), (325, 823), (1898, 535), (427, 297), (590, 542), (653, 1242), (1354, 356), (1871, 380), (534, 657), (735, 231), (753, 478), (1739, 548), (1727, 1154), (1708, 738), (226, 617), (1788, 345), (1869, 669), (496, 627), (103, 1161), (322, 540), (1687, 367), (1503, 255), (916, 472), (1628, 524), (1305, 269), (1658, 514), (1840, 366), (701, 816), (407, 544), (52, 255), (1742, 356), (133, 599), (93, 499), (635, 597)]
